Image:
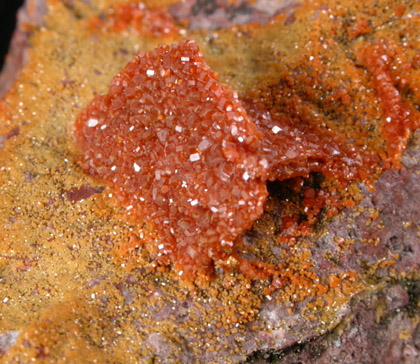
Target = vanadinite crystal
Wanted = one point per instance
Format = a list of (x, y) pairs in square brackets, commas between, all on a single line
[(180, 152), (295, 149)]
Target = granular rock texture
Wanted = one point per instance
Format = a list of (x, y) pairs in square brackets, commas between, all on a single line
[(77, 286), (381, 324), (216, 14), (381, 328)]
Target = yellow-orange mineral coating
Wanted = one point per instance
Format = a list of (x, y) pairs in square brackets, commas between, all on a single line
[(179, 149), (61, 289)]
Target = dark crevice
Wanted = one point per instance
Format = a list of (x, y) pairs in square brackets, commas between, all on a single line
[(8, 10), (413, 289), (69, 5), (206, 7), (274, 356)]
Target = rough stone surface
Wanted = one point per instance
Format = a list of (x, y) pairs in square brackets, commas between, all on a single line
[(377, 326), (216, 14), (29, 17), (380, 328)]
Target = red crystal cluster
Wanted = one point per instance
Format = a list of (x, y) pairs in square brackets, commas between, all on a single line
[(400, 117), (295, 149), (183, 155), (152, 22), (180, 152)]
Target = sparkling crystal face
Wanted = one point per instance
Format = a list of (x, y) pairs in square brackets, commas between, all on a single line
[(289, 149), (180, 151)]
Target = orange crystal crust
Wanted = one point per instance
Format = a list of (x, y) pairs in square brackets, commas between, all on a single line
[(399, 117), (180, 152), (152, 22), (293, 149)]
